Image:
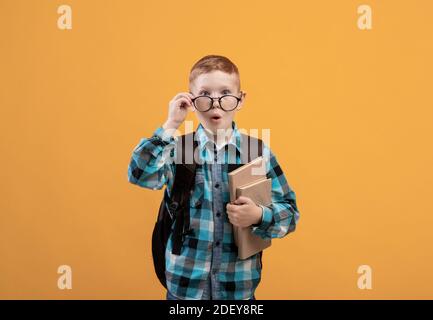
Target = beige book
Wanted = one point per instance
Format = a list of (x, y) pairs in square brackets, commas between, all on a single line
[(246, 174), (243, 175), (251, 182), (249, 243)]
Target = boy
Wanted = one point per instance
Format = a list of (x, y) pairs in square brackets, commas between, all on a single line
[(210, 268)]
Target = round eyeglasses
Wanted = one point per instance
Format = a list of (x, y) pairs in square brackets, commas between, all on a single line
[(226, 102)]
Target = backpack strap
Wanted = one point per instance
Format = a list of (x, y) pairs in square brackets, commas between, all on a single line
[(184, 179), (254, 147), (251, 148)]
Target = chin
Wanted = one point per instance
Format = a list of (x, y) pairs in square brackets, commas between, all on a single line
[(215, 126)]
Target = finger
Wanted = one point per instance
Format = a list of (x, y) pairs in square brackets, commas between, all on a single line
[(183, 102), (231, 208), (232, 214), (242, 200), (183, 95)]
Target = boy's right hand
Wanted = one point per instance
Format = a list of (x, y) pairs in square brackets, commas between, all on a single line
[(178, 109)]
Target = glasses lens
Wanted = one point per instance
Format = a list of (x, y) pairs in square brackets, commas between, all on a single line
[(229, 103), (203, 103)]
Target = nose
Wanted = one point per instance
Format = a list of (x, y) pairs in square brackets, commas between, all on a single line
[(215, 103)]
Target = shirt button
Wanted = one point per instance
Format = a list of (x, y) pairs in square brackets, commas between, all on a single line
[(217, 185), (218, 214), (217, 243)]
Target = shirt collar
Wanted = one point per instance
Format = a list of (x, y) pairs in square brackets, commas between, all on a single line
[(204, 140)]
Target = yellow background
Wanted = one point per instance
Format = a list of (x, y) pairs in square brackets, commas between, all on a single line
[(350, 114)]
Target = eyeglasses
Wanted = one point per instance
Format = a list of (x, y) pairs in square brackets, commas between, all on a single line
[(226, 102)]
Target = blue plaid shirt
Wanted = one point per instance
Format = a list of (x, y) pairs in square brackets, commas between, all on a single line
[(187, 274)]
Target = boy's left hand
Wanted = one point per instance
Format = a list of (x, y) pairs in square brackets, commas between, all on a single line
[(244, 212)]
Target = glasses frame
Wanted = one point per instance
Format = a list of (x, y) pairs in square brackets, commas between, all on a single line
[(219, 101)]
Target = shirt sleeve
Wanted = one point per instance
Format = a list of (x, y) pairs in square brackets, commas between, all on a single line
[(152, 161), (282, 215)]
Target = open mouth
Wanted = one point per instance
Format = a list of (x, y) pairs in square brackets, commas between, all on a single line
[(215, 117)]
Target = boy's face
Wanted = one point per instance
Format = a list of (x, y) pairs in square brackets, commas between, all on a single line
[(215, 84)]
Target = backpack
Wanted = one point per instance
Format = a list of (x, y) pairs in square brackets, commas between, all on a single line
[(174, 210)]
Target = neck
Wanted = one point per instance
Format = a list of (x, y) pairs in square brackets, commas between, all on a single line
[(220, 137)]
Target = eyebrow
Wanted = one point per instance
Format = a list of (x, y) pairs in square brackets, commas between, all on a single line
[(221, 89)]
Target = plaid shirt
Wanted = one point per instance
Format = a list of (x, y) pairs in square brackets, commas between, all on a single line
[(188, 272)]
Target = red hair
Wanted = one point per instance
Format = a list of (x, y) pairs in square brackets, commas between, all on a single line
[(212, 63)]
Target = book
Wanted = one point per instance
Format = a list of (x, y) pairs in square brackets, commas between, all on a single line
[(249, 243), (250, 181), (245, 174)]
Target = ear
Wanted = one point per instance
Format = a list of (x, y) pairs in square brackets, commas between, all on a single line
[(241, 103)]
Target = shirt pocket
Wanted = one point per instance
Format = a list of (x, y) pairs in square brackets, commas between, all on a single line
[(197, 193)]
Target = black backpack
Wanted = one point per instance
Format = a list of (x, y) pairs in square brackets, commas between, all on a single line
[(175, 209)]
